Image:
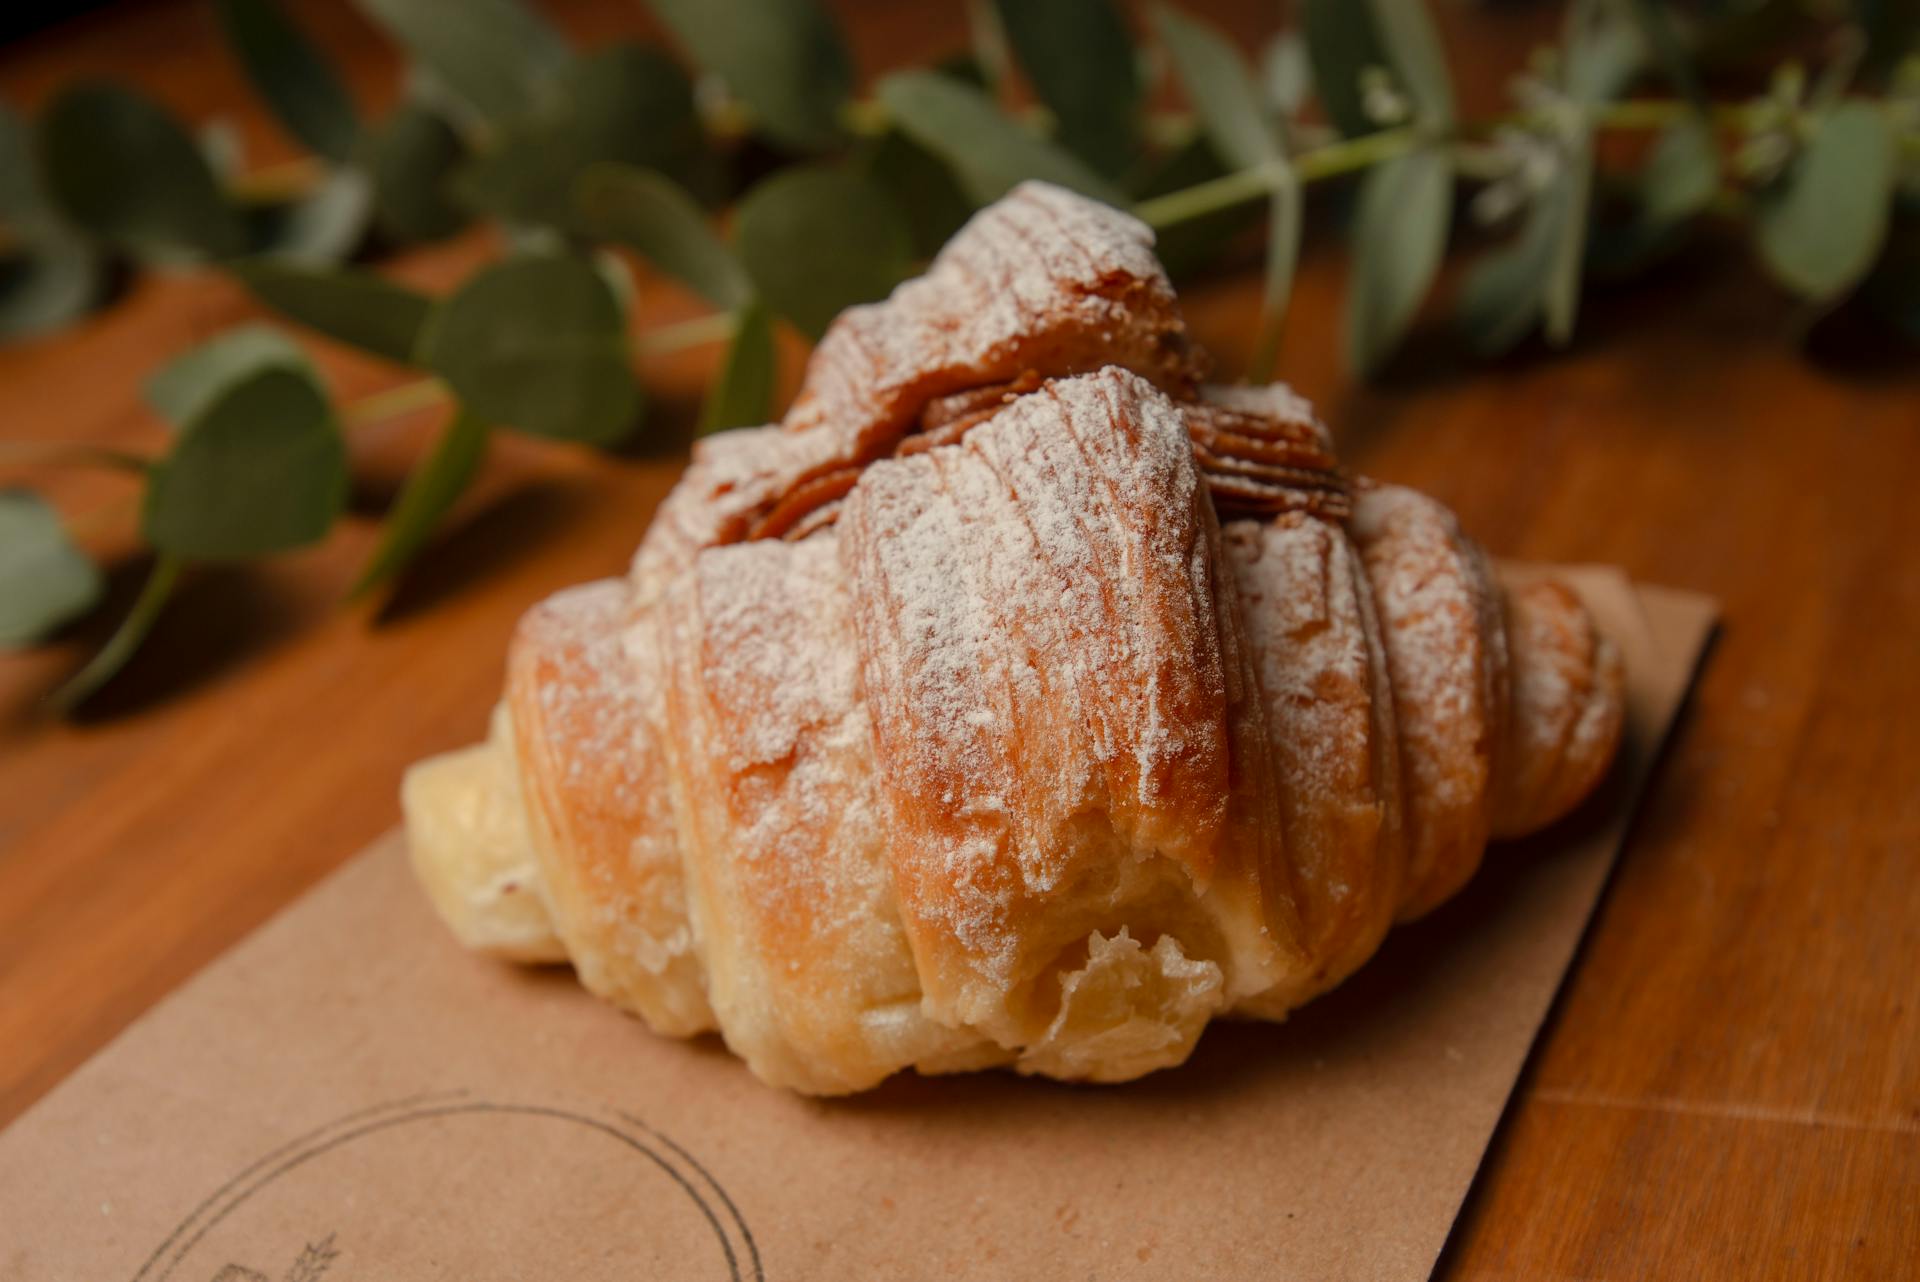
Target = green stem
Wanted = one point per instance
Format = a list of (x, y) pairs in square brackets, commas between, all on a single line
[(1349, 155), (392, 402), (667, 339), (288, 180), (63, 454), (126, 639), (1343, 157)]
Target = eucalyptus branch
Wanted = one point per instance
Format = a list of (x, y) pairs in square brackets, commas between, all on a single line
[(133, 629), (66, 454), (1351, 155), (572, 150)]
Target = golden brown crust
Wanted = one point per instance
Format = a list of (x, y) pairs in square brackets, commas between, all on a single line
[(1446, 658), (945, 725), (1041, 662), (775, 795), (1329, 716), (1567, 707), (592, 760)]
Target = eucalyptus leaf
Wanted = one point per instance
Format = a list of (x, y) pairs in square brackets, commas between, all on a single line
[(1678, 181), (625, 103), (48, 279), (1284, 216), (189, 383), (989, 153), (1343, 43), (1682, 173), (1667, 45), (650, 213), (355, 307), (124, 170), (1820, 232), (537, 343), (816, 241), (500, 57), (922, 186), (261, 468), (432, 488), (1286, 73), (45, 580), (1605, 51), (412, 156), (49, 275), (126, 639), (220, 142), (1080, 60), (742, 396), (784, 58), (1414, 52), (295, 79), (1399, 235), (1221, 89), (324, 226), (1560, 303), (1503, 297), (21, 199)]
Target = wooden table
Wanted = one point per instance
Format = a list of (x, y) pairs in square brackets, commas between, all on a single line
[(1730, 1085)]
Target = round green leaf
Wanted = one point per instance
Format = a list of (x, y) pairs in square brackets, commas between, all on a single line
[(412, 157), (1820, 233), (1414, 53), (1505, 294), (1342, 42), (1286, 73), (1081, 62), (189, 383), (1284, 216), (355, 307), (742, 396), (990, 153), (500, 57), (783, 58), (260, 469), (1682, 173), (537, 343), (124, 170), (1220, 88), (654, 215), (1399, 235), (44, 579), (431, 489), (817, 241), (48, 280), (325, 226), (286, 70), (626, 103), (922, 186)]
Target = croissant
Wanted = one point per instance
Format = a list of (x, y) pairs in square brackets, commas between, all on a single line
[(1021, 699)]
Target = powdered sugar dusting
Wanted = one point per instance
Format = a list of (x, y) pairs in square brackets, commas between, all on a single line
[(1270, 400), (595, 714), (1042, 279), (1446, 654), (1035, 643)]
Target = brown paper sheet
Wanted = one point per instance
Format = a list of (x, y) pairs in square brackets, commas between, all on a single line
[(347, 1095)]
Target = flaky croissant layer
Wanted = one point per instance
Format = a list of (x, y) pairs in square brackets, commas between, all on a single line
[(1019, 700)]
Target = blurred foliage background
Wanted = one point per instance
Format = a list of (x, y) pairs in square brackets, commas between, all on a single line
[(743, 158)]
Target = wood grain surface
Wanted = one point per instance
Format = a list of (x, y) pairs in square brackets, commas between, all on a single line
[(1730, 1085)]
